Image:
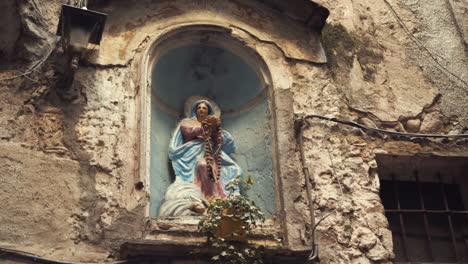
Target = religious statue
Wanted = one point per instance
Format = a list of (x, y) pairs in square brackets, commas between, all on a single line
[(199, 151)]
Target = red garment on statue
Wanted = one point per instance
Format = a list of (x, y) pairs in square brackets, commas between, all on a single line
[(209, 188)]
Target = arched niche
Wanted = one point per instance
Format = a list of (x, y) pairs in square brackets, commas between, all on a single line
[(207, 61)]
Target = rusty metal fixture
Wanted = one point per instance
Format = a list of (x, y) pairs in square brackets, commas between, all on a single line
[(78, 27), (301, 125), (310, 13), (403, 215)]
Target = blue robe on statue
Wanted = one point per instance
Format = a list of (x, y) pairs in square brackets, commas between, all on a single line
[(185, 156)]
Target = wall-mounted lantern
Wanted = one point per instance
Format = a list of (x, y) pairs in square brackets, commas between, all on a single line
[(78, 27)]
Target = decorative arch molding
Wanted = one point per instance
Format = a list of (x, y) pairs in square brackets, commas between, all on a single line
[(270, 23), (133, 36), (182, 35), (269, 63)]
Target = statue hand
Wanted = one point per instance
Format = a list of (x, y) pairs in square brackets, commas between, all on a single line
[(214, 122), (198, 208)]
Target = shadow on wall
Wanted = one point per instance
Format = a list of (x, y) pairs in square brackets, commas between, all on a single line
[(342, 47)]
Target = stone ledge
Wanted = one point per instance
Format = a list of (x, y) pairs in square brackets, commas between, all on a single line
[(186, 230), (147, 251), (188, 227)]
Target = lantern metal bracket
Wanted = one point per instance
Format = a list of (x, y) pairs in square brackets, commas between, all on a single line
[(77, 28)]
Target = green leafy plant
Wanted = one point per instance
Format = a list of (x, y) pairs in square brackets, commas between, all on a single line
[(227, 223)]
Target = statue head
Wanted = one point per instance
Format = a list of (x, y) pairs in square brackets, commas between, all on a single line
[(190, 106), (201, 109)]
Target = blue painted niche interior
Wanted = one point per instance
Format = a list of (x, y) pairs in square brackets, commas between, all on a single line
[(217, 73)]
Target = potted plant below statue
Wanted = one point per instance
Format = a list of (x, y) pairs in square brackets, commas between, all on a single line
[(227, 223)]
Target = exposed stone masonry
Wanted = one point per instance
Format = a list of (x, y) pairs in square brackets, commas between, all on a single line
[(68, 168)]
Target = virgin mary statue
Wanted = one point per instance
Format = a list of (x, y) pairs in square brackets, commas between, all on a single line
[(199, 151)]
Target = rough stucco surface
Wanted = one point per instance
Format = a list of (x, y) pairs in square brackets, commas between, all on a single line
[(253, 153), (294, 42), (387, 74), (36, 217), (68, 168)]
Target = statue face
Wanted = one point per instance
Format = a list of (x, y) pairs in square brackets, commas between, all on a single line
[(202, 111)]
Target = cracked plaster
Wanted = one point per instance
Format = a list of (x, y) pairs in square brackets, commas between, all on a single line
[(95, 175), (296, 44)]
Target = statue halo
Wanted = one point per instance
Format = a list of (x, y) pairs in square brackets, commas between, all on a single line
[(192, 99)]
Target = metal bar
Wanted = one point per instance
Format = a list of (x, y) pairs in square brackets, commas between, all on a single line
[(314, 253), (465, 236), (411, 211), (464, 221), (402, 224), (426, 223), (305, 170), (449, 217)]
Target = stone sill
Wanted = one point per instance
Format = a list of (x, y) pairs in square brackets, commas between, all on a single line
[(185, 230), (156, 252), (174, 240)]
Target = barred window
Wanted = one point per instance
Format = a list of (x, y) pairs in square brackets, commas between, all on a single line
[(426, 208)]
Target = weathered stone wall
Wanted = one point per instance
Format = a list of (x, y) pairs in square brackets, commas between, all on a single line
[(377, 75), (68, 168)]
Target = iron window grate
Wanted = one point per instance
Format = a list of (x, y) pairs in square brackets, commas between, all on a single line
[(428, 220)]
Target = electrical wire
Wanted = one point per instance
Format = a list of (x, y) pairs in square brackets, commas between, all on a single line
[(383, 131), (419, 44), (335, 175), (36, 65), (314, 253), (35, 258)]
